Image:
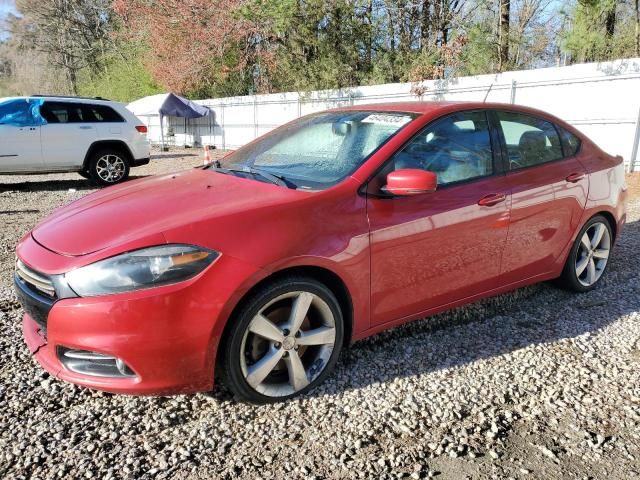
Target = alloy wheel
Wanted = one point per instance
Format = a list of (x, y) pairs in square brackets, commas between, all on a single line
[(593, 254), (110, 168), (287, 344)]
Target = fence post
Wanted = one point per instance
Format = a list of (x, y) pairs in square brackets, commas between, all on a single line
[(255, 116), (224, 144), (299, 105), (513, 91), (636, 141)]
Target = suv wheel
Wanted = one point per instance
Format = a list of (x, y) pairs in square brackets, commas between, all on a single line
[(108, 167)]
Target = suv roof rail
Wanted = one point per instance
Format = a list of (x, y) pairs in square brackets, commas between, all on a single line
[(72, 96)]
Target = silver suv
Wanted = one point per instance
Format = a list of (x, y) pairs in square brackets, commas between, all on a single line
[(97, 138)]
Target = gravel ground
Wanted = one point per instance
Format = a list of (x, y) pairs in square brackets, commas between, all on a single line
[(538, 383)]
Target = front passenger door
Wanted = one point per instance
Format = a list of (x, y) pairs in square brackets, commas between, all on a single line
[(19, 137), (67, 136), (430, 250)]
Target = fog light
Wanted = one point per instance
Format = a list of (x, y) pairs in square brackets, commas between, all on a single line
[(93, 363)]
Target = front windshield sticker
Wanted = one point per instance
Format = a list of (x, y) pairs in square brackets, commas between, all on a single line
[(387, 119)]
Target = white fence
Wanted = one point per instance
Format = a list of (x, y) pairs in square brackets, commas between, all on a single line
[(600, 99)]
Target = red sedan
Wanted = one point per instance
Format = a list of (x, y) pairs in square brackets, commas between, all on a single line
[(331, 228)]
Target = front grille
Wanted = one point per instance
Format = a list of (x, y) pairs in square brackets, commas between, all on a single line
[(36, 280), (35, 292)]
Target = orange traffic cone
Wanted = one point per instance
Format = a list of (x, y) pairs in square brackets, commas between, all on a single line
[(207, 155)]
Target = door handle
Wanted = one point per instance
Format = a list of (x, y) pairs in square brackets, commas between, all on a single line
[(575, 177), (492, 199), (85, 127)]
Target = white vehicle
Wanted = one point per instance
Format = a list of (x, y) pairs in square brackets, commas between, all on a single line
[(97, 138)]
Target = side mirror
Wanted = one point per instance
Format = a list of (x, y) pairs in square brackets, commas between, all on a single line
[(410, 181)]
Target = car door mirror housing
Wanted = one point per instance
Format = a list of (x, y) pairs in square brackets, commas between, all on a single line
[(410, 181)]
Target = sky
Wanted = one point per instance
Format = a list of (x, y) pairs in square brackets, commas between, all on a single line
[(6, 7)]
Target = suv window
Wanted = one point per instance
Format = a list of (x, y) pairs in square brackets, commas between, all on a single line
[(530, 141), (455, 148), (100, 113), (61, 112), (68, 112)]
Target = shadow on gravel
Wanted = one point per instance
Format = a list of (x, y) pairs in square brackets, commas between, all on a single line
[(48, 186), (56, 185), (493, 327), (162, 156), (16, 212)]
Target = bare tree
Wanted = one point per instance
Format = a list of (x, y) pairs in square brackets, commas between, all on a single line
[(72, 33)]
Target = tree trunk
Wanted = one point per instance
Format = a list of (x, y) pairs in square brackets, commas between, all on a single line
[(424, 24), (637, 28), (610, 20), (503, 34)]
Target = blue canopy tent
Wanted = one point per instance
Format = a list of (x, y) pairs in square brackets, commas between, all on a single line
[(168, 105)]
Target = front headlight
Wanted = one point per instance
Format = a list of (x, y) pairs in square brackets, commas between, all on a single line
[(145, 268)]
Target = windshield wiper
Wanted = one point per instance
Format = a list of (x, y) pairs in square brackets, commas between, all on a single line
[(275, 179)]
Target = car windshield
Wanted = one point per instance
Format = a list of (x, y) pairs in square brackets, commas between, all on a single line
[(319, 150)]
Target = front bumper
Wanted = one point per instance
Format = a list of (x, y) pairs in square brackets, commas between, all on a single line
[(167, 335)]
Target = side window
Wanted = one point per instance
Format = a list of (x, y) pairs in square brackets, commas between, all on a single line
[(570, 142), (100, 113), (455, 148), (61, 112), (530, 140), (19, 112)]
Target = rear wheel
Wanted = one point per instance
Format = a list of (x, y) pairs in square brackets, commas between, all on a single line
[(589, 256), (285, 341), (108, 167)]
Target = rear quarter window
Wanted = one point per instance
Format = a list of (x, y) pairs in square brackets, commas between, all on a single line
[(101, 114), (570, 142)]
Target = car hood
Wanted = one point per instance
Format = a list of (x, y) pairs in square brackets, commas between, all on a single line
[(143, 208)]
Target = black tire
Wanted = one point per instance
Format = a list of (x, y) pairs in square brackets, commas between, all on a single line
[(569, 279), (234, 350), (101, 159), (84, 174)]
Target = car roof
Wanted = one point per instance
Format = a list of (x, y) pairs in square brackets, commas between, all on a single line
[(437, 108), (70, 98), (431, 107), (63, 98)]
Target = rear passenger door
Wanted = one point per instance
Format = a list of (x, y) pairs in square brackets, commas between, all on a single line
[(549, 187), (67, 136)]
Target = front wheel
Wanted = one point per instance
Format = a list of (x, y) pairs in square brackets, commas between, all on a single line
[(589, 256), (108, 167), (284, 341)]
